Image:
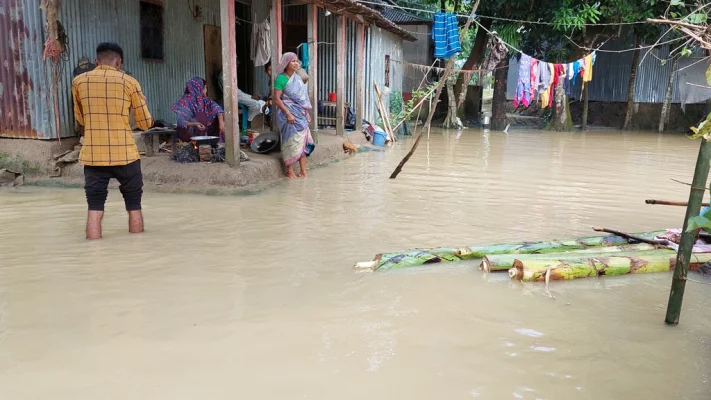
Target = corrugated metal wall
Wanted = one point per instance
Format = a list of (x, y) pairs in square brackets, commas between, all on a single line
[(611, 74), (87, 23), (380, 43), (24, 111), (91, 22), (326, 63)]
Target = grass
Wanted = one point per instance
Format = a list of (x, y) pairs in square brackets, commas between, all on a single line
[(17, 163)]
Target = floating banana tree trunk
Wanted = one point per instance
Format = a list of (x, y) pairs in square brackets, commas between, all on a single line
[(450, 254), (527, 268), (502, 262)]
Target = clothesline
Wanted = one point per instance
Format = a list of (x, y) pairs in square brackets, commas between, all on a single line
[(436, 69), (521, 51), (496, 18)]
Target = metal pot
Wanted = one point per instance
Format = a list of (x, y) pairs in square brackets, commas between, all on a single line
[(211, 140)]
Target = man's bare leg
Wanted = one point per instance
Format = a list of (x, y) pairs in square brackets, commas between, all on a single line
[(93, 224), (135, 221)]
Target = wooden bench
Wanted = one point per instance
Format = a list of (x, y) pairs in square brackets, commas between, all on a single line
[(151, 133)]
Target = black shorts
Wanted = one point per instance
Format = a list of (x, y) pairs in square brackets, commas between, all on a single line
[(96, 185)]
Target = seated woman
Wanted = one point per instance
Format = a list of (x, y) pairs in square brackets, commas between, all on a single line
[(198, 115), (292, 103)]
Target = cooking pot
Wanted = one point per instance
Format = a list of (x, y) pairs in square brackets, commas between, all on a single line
[(211, 140)]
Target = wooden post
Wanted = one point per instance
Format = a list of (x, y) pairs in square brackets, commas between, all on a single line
[(275, 28), (340, 74), (229, 81), (360, 76), (312, 40), (681, 268)]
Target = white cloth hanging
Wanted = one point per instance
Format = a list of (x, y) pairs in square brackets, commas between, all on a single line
[(260, 50)]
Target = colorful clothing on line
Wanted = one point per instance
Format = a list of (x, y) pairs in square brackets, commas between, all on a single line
[(296, 139), (497, 52), (103, 99), (445, 34), (544, 76), (533, 78), (523, 86), (546, 96), (577, 65), (587, 73)]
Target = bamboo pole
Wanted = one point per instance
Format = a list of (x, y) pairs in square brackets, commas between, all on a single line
[(383, 113), (673, 203), (438, 92), (701, 174)]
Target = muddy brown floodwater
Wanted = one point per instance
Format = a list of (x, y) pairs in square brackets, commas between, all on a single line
[(255, 297)]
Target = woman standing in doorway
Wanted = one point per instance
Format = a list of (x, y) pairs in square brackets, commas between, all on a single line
[(291, 99)]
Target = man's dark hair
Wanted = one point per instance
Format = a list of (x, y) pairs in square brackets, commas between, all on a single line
[(109, 50), (267, 65)]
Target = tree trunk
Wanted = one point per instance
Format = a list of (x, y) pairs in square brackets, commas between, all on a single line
[(561, 120), (528, 268), (668, 97), (498, 105), (630, 89), (475, 59), (686, 244), (584, 124), (452, 120), (503, 262), (417, 257)]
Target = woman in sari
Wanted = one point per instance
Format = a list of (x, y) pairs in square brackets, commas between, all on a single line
[(198, 115), (292, 103)]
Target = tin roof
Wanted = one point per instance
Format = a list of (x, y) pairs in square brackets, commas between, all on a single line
[(367, 13), (401, 17)]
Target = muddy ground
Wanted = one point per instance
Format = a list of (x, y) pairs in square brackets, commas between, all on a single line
[(34, 159)]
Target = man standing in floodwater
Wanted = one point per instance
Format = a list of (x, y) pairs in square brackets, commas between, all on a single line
[(102, 101)]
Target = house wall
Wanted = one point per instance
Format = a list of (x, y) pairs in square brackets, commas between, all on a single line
[(378, 44), (417, 52), (87, 23), (24, 111)]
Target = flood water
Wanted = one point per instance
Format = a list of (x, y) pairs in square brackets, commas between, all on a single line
[(255, 297)]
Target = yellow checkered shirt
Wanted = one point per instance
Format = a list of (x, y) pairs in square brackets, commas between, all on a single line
[(103, 99)]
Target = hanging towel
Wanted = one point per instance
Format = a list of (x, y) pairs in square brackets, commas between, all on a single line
[(523, 87), (260, 50), (544, 76), (497, 52), (533, 76), (569, 69), (587, 72), (445, 34), (304, 50), (576, 69)]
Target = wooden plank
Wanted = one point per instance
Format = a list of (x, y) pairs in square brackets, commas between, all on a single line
[(229, 81), (312, 35), (275, 28), (213, 58), (360, 75), (340, 74)]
